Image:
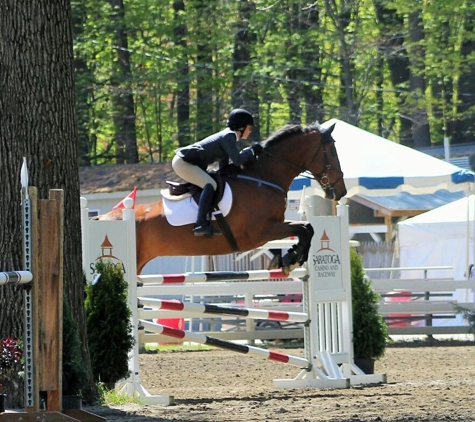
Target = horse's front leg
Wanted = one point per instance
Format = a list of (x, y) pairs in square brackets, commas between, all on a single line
[(298, 253)]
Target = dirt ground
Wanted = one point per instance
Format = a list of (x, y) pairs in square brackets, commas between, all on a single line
[(435, 383)]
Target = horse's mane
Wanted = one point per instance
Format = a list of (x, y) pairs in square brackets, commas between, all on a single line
[(287, 131)]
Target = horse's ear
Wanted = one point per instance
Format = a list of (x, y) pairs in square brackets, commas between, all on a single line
[(327, 133), (330, 129)]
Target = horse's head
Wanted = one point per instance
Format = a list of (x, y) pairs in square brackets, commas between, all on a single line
[(325, 166), (294, 150)]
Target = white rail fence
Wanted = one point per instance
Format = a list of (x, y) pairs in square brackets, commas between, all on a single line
[(422, 306)]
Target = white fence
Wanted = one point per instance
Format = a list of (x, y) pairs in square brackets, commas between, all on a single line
[(425, 305), (422, 306)]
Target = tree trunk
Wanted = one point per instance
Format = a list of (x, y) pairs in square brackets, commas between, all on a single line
[(38, 121), (123, 97), (84, 81), (393, 50), (312, 64), (292, 86), (244, 90), (204, 74), (341, 19), (183, 84), (417, 85), (464, 128)]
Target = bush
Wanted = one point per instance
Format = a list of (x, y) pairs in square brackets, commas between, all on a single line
[(74, 369), (370, 332), (108, 324)]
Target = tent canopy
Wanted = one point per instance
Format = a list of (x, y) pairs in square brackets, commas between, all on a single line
[(443, 236), (375, 166)]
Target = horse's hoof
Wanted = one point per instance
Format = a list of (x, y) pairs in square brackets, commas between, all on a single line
[(287, 269), (288, 259)]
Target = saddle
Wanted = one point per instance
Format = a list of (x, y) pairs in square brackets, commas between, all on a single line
[(177, 189)]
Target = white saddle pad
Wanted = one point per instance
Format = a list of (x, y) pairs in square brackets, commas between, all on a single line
[(185, 211)]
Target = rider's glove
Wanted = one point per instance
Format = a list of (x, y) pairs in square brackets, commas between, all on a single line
[(256, 149)]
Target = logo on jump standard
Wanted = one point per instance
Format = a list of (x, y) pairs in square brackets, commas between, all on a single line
[(326, 261), (107, 255)]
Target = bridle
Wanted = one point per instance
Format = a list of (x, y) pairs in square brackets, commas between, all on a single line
[(322, 177)]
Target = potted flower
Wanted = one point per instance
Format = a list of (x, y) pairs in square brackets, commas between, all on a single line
[(370, 332), (11, 371)]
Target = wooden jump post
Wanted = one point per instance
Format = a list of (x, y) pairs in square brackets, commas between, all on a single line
[(42, 278)]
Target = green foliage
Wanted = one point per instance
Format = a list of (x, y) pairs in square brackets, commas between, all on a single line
[(108, 324), (303, 60), (74, 369), (468, 315), (370, 332)]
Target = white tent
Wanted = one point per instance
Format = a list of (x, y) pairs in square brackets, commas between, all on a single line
[(376, 166), (441, 237)]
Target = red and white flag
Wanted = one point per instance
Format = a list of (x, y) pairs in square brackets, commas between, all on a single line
[(132, 195)]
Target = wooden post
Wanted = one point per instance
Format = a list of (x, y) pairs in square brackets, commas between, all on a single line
[(49, 286), (43, 313)]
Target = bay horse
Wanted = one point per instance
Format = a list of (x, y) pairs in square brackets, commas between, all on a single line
[(259, 201)]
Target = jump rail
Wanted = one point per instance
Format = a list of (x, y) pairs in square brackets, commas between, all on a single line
[(219, 276), (15, 277), (199, 338), (208, 309)]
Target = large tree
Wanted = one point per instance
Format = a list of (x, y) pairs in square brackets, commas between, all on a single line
[(38, 121)]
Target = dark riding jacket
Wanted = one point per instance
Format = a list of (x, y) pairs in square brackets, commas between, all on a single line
[(219, 147)]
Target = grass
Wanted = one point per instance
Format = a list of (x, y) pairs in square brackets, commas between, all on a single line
[(115, 398)]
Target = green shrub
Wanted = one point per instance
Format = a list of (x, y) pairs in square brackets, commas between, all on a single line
[(370, 332), (108, 324), (74, 369)]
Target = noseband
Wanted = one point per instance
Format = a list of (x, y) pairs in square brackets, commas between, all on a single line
[(322, 177)]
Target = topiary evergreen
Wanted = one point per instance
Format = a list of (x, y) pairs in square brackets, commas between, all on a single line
[(370, 332), (108, 324)]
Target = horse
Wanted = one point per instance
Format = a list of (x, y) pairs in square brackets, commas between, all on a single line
[(259, 193)]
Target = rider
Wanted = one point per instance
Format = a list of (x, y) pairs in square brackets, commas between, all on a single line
[(191, 162)]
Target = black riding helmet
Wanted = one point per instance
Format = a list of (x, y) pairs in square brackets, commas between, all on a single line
[(239, 118)]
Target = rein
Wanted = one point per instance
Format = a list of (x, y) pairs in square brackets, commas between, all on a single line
[(321, 177), (261, 182)]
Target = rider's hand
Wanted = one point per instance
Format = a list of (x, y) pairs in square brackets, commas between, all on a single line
[(256, 149)]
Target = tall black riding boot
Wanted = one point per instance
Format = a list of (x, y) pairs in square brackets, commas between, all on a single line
[(203, 225)]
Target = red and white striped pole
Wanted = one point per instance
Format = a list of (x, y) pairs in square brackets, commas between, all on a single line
[(221, 276), (205, 308), (228, 345)]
